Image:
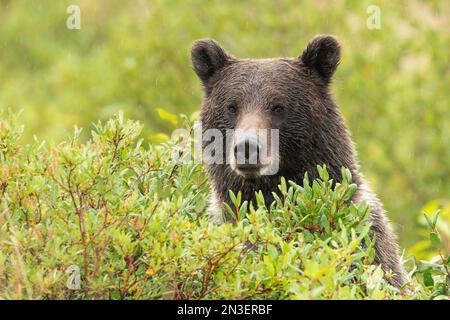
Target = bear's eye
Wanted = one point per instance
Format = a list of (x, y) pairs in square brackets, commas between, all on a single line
[(277, 109), (232, 109)]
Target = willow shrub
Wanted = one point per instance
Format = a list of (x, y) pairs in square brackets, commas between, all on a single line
[(112, 219)]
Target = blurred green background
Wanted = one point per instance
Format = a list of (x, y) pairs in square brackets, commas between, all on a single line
[(393, 84)]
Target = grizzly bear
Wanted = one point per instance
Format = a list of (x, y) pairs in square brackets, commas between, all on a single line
[(292, 96)]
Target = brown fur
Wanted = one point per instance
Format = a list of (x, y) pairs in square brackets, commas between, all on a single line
[(312, 130)]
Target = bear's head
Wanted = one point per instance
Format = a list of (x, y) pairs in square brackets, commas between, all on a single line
[(285, 99)]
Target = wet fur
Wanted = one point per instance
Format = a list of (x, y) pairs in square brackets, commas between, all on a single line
[(314, 133)]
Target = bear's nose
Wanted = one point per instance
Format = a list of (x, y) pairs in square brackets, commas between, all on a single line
[(247, 152)]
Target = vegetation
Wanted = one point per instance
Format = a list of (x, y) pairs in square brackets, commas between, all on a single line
[(131, 220)]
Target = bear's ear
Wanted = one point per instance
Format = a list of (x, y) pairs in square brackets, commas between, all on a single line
[(208, 58), (322, 54)]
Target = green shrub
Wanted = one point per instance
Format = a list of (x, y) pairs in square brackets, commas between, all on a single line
[(132, 221)]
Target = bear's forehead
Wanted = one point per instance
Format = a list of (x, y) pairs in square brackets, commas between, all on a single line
[(267, 67), (260, 77), (261, 72), (261, 82)]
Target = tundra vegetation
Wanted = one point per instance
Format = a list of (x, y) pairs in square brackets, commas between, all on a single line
[(131, 222)]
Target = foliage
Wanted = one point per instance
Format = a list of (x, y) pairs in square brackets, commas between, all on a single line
[(425, 248), (132, 220)]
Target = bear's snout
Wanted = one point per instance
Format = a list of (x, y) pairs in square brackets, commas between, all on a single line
[(247, 155), (254, 153)]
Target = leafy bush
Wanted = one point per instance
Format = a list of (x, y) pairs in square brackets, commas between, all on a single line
[(132, 220)]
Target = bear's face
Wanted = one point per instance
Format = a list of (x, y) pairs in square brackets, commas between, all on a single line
[(267, 110)]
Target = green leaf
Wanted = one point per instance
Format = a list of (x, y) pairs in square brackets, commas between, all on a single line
[(428, 278), (350, 192), (272, 251), (233, 198), (323, 173), (231, 212), (243, 209), (346, 175)]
